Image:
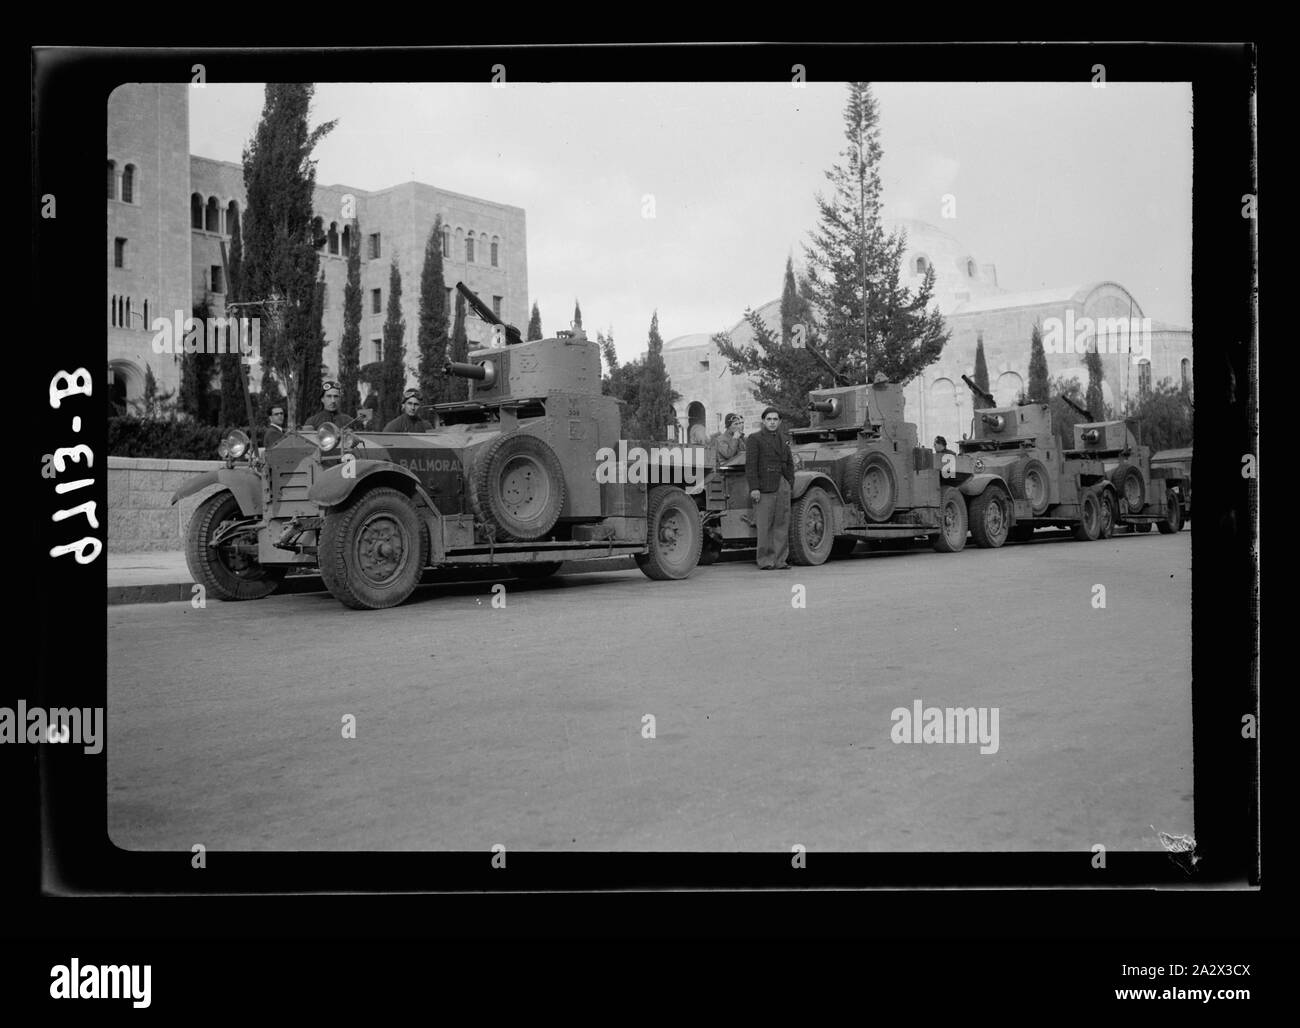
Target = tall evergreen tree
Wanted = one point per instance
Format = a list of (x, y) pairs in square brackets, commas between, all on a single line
[(871, 323), (314, 369), (1096, 398), (794, 305), (981, 369), (232, 411), (197, 370), (577, 315), (350, 341), (535, 325), (456, 387), (280, 258), (1039, 388), (623, 382), (655, 396), (432, 335), (393, 380)]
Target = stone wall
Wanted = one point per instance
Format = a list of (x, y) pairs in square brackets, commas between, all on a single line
[(140, 514)]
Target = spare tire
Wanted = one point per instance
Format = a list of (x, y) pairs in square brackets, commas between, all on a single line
[(517, 485), (1128, 482), (1028, 481), (872, 485)]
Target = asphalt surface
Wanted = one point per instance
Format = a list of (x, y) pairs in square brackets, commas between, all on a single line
[(772, 725)]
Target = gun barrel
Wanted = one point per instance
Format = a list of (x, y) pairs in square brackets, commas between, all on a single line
[(485, 312), (1082, 410), (475, 371), (824, 407)]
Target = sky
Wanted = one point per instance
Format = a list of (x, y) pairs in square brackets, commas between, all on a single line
[(1056, 184)]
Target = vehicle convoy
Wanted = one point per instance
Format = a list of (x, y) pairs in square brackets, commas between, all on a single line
[(859, 474), (1145, 491), (505, 478), (1039, 486)]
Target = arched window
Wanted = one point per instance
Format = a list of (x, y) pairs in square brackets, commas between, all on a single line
[(469, 248), (496, 252), (460, 240), (212, 218), (446, 242), (922, 265), (1008, 388), (128, 184), (128, 312), (196, 211), (318, 231), (333, 237), (347, 240), (1185, 371), (112, 180), (232, 217)]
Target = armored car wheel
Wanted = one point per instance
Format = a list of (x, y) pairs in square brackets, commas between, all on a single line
[(990, 517), (518, 485), (1028, 481), (812, 528), (1109, 513), (1173, 519), (229, 570), (1127, 479), (953, 522), (871, 482), (1089, 525), (536, 571), (372, 552), (673, 533)]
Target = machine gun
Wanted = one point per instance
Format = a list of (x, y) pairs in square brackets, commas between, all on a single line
[(980, 394), (485, 312), (1080, 410)]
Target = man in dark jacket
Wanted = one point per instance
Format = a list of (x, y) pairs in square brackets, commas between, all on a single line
[(331, 394), (409, 420), (769, 470)]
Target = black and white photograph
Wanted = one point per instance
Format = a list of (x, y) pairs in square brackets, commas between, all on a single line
[(633, 464)]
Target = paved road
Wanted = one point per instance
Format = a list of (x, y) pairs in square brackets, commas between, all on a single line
[(523, 725)]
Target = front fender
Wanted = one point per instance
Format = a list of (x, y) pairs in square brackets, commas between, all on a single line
[(976, 484), (805, 480), (243, 482), (333, 487)]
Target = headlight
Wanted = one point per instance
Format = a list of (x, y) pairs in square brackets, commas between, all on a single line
[(327, 436), (236, 444), (223, 449)]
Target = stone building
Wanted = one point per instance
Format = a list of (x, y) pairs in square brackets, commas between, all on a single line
[(975, 307), (173, 262)]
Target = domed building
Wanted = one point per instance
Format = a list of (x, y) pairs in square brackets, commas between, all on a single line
[(975, 307)]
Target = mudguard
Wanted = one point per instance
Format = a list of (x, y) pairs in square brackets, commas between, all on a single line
[(976, 484), (332, 487), (245, 484), (805, 480)]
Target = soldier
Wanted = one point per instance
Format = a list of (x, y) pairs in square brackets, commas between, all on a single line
[(275, 425), (941, 445), (409, 420), (769, 469), (731, 441), (331, 393)]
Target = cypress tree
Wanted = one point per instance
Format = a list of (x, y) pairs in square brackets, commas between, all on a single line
[(577, 315), (231, 411), (1039, 389), (1096, 399), (432, 336), (981, 369), (457, 388), (393, 379), (535, 325), (656, 396), (350, 342)]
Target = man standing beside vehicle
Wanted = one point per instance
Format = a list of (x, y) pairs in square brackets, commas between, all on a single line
[(769, 471)]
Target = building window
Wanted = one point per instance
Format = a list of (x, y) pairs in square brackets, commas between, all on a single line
[(333, 237), (1144, 377), (127, 322), (375, 248), (970, 268), (212, 216), (347, 241), (377, 346), (376, 301), (128, 184), (216, 279), (119, 252), (496, 248), (112, 180), (446, 242), (147, 322), (196, 211), (496, 306), (922, 265), (1185, 369), (112, 311), (469, 248)]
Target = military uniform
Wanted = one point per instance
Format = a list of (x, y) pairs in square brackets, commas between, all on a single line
[(321, 416), (403, 423), (769, 468), (728, 445)]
